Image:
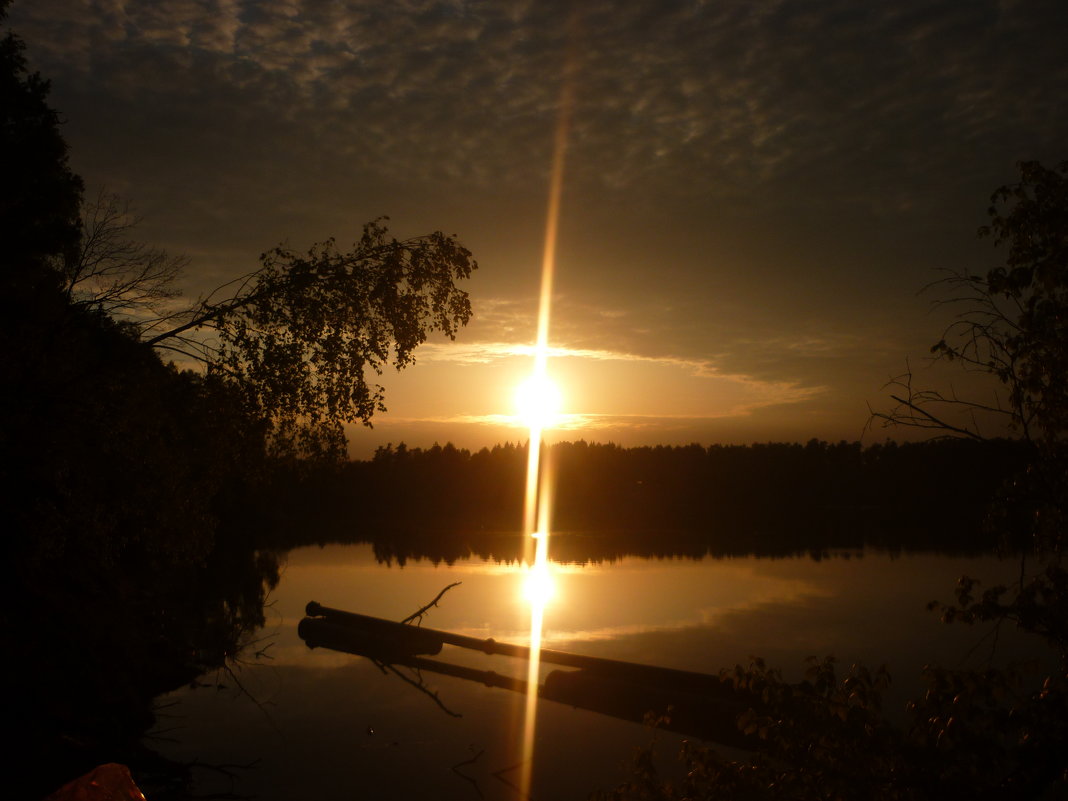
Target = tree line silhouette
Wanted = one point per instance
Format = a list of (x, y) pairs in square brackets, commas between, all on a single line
[(764, 499)]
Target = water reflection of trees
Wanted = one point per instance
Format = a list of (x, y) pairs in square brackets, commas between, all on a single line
[(95, 644), (132, 567), (446, 504), (600, 548)]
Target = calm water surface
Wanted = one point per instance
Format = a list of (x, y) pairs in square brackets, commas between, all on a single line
[(328, 725)]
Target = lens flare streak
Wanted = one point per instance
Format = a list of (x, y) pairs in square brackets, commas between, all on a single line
[(536, 507)]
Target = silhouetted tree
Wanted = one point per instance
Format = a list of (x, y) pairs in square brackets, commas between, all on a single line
[(115, 273), (298, 334), (1013, 320), (39, 194), (1013, 326)]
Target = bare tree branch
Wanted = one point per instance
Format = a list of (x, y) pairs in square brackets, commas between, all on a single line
[(117, 274), (418, 615)]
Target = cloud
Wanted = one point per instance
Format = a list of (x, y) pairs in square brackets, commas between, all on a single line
[(749, 185), (594, 424), (588, 372), (711, 95), (487, 352), (723, 346)]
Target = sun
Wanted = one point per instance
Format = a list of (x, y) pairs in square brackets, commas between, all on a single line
[(537, 402)]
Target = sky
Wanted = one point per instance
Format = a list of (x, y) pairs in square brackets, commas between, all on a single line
[(754, 193)]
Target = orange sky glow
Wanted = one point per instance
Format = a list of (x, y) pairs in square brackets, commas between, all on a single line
[(754, 195)]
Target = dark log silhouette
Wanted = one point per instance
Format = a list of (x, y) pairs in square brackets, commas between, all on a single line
[(695, 704)]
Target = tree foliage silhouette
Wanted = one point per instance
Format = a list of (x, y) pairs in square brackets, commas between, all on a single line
[(299, 335), (827, 495), (296, 336), (39, 194), (1012, 322)]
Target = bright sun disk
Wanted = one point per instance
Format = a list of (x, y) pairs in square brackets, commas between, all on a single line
[(538, 402)]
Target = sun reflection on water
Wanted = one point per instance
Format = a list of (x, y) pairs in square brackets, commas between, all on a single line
[(538, 585)]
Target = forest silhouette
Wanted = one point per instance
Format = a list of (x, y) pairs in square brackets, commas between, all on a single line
[(773, 499)]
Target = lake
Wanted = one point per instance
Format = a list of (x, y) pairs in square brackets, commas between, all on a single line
[(329, 725)]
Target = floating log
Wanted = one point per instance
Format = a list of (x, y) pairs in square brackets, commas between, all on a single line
[(370, 633), (696, 704), (630, 671), (394, 639)]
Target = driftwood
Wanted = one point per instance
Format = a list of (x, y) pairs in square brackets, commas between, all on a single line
[(697, 704), (368, 629)]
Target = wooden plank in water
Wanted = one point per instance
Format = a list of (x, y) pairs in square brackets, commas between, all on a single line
[(709, 712), (630, 671)]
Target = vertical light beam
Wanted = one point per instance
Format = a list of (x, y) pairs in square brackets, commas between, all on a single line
[(536, 507)]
